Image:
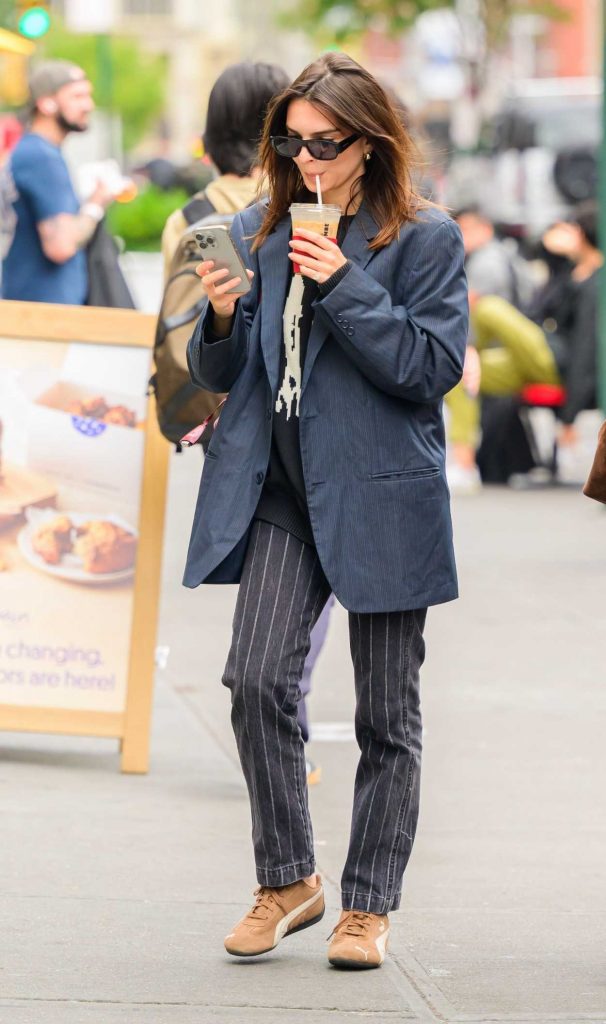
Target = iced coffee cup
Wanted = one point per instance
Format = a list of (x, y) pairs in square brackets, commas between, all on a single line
[(319, 217)]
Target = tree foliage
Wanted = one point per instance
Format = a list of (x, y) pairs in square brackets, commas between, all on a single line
[(132, 82), (140, 223), (341, 20)]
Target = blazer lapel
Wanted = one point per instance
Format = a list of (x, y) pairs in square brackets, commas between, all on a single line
[(274, 266), (361, 232), (356, 247)]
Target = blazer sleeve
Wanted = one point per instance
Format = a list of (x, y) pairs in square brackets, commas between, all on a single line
[(414, 351), (216, 363)]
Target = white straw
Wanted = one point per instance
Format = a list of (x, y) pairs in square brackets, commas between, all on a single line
[(318, 189)]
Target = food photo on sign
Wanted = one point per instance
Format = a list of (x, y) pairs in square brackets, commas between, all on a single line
[(82, 426)]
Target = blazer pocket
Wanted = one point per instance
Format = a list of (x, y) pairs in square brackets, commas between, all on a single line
[(406, 474)]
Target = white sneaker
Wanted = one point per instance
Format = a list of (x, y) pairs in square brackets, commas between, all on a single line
[(462, 480)]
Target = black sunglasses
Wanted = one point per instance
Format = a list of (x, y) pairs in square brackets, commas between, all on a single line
[(320, 149)]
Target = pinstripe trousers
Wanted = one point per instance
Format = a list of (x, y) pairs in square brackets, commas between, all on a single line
[(282, 592)]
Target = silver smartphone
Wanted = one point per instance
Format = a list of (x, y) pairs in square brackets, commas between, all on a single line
[(216, 244)]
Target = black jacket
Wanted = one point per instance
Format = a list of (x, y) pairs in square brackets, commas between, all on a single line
[(106, 283), (567, 310), (582, 336)]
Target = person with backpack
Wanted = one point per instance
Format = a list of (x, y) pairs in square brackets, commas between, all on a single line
[(234, 121), (341, 489)]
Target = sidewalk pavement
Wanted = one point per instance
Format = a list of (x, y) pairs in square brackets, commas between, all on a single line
[(116, 890)]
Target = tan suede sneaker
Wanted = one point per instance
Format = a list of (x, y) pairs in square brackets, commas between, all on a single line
[(359, 941), (276, 913)]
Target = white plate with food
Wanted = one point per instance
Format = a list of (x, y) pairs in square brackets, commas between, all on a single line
[(78, 546)]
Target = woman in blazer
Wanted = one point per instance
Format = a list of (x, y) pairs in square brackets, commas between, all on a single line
[(326, 473)]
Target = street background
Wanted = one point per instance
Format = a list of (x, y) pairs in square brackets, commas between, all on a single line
[(117, 891), (504, 100)]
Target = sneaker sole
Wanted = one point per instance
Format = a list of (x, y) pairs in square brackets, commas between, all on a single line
[(351, 965), (291, 931)]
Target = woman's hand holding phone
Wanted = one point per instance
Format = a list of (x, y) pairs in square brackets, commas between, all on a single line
[(217, 284)]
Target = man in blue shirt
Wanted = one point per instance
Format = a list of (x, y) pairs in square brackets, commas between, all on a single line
[(44, 230)]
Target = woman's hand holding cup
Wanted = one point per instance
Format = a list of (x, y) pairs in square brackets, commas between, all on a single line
[(316, 257), (217, 285)]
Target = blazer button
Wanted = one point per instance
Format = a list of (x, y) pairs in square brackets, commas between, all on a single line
[(345, 323), (350, 331), (259, 478), (339, 318)]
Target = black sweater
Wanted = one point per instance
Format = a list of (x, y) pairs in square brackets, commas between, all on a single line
[(581, 370), (283, 500)]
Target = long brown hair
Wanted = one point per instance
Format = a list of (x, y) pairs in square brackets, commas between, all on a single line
[(355, 103)]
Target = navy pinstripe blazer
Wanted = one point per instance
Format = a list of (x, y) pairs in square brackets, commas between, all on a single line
[(387, 343)]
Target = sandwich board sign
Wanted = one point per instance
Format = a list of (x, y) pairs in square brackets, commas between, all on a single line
[(83, 472)]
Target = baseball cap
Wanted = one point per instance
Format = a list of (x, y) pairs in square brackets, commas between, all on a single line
[(47, 77)]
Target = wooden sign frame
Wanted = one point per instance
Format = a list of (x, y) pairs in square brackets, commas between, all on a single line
[(127, 328)]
